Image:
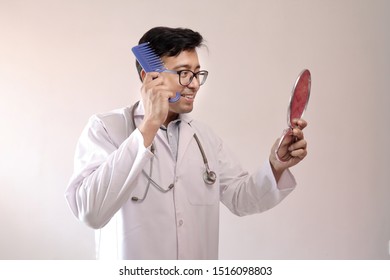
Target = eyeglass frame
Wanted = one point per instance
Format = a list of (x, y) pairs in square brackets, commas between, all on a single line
[(194, 74)]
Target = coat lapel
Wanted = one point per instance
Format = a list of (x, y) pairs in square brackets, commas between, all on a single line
[(186, 135)]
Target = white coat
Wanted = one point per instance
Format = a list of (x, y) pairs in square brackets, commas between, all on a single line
[(182, 223)]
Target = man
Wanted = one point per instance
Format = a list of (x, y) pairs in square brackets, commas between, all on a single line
[(150, 178)]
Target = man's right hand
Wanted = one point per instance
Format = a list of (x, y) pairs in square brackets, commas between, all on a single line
[(155, 95)]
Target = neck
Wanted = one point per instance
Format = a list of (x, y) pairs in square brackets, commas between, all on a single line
[(171, 117)]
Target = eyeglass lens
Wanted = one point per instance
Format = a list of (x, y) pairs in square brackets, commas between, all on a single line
[(186, 77)]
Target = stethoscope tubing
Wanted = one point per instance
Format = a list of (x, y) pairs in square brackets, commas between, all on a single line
[(209, 176)]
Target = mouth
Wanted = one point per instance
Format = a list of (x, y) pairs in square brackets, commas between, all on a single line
[(188, 96)]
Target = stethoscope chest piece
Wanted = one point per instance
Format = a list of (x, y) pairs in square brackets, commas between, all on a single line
[(209, 177)]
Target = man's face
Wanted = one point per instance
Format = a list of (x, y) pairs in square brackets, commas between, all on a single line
[(186, 60)]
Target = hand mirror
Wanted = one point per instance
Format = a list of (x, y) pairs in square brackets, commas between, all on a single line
[(298, 102)]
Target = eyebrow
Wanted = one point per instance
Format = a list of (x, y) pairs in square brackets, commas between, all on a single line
[(185, 66)]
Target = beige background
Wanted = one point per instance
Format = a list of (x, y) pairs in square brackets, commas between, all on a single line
[(61, 61)]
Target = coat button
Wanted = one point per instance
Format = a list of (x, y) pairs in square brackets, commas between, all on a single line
[(181, 222)]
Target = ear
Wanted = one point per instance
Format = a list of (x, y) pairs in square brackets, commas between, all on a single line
[(143, 74)]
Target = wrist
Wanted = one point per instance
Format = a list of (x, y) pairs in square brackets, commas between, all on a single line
[(148, 129), (277, 170)]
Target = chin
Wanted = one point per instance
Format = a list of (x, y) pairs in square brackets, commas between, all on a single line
[(185, 109), (182, 107)]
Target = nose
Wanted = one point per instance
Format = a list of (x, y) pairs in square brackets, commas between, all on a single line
[(194, 83)]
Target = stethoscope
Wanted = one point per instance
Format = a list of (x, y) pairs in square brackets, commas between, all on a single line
[(209, 176)]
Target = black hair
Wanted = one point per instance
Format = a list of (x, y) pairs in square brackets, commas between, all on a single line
[(167, 41)]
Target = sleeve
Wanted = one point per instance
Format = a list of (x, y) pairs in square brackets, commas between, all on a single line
[(243, 193), (104, 174)]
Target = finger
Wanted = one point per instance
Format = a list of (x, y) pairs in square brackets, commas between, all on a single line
[(300, 123), (301, 153), (150, 76), (166, 94), (298, 133), (153, 85), (301, 144)]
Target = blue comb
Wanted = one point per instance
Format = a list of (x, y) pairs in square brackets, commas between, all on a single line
[(151, 62)]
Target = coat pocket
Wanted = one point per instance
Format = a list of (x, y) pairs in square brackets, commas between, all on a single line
[(198, 192)]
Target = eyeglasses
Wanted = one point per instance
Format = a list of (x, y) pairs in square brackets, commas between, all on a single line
[(186, 76)]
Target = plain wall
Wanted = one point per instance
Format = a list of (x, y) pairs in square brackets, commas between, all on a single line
[(62, 61)]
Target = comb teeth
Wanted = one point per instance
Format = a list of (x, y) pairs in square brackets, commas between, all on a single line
[(147, 58), (151, 62)]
